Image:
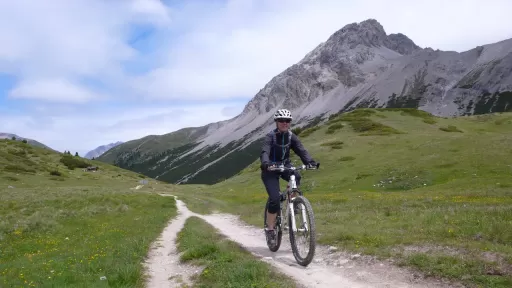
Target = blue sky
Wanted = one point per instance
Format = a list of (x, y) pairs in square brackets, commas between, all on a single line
[(83, 73)]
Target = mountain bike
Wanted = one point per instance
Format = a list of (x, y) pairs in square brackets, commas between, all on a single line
[(295, 205)]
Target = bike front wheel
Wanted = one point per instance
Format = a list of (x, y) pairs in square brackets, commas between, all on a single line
[(304, 229)]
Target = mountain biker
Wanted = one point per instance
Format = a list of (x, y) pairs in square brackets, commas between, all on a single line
[(276, 150)]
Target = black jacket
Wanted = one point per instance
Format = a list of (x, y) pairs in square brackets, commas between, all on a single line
[(277, 145)]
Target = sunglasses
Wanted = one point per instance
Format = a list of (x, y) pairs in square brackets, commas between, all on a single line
[(284, 120)]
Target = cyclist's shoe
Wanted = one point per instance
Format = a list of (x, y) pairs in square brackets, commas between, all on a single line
[(271, 237)]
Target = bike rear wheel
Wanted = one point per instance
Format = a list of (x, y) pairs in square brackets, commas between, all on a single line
[(308, 230), (279, 232)]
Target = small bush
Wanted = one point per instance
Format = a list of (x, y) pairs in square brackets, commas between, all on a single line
[(11, 178), (297, 130), (307, 132), (427, 117), (55, 173), (503, 120), (363, 175), (416, 113), (332, 143), (18, 169), (370, 127), (336, 144), (16, 152), (333, 116), (450, 128), (72, 163), (347, 158), (357, 114), (333, 128), (360, 123)]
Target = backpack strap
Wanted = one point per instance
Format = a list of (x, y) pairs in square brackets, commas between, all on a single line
[(274, 143)]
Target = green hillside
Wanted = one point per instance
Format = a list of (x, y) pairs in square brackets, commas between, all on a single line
[(142, 149), (433, 193), (62, 227), (21, 139), (159, 158)]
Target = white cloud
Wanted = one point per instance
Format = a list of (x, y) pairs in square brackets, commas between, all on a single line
[(196, 50), (55, 90), (151, 11), (68, 40)]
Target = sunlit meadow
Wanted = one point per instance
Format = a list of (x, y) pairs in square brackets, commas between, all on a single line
[(62, 227)]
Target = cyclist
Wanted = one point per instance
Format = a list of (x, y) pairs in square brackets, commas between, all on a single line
[(275, 150)]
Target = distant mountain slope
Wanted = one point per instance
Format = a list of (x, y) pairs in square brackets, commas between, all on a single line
[(358, 66), (152, 144), (19, 138), (101, 149)]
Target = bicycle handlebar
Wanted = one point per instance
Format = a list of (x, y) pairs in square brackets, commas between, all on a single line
[(282, 168)]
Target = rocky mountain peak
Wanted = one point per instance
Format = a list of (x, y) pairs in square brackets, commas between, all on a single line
[(369, 33), (401, 44), (339, 59)]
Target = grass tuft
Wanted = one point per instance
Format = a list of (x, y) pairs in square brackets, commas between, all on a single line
[(450, 128), (16, 168), (226, 264), (305, 133), (55, 173), (359, 121), (347, 158), (333, 128)]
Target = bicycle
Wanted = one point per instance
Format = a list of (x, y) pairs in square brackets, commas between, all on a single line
[(294, 205)]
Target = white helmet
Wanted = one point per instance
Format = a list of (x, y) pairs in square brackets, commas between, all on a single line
[(283, 114)]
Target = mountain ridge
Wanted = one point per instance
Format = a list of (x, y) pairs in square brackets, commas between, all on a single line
[(98, 151), (5, 135), (357, 66)]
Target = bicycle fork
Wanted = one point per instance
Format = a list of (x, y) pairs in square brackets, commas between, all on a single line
[(304, 217)]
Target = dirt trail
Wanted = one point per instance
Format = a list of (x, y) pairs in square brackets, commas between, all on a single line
[(328, 269), (163, 266)]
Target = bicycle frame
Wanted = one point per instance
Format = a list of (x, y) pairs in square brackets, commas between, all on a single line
[(291, 188)]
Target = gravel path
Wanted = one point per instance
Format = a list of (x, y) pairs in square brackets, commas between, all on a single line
[(330, 268)]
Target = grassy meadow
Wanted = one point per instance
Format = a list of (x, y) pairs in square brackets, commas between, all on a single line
[(62, 227), (433, 193)]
